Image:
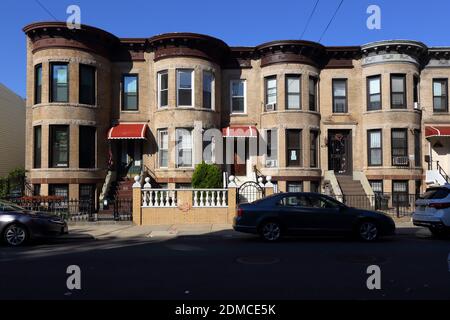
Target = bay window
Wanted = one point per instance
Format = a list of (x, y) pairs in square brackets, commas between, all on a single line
[(293, 92), (294, 147), (59, 88), (208, 84), (185, 92), (163, 89), (59, 146), (183, 148), (398, 91), (270, 93)]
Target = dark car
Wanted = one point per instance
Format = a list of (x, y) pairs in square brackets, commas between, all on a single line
[(18, 225), (307, 214)]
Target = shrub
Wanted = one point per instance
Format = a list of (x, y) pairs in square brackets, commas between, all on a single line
[(207, 176)]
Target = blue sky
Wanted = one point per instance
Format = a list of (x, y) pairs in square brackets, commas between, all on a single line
[(237, 22)]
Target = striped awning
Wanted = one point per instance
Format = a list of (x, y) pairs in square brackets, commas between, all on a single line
[(240, 132), (437, 131), (128, 131)]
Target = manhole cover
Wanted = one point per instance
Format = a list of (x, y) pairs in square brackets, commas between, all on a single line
[(258, 260), (360, 258)]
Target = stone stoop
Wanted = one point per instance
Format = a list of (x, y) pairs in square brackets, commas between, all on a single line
[(353, 192)]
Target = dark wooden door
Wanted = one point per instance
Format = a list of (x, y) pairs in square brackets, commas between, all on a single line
[(340, 151)]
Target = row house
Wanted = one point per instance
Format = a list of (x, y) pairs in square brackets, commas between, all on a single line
[(345, 120)]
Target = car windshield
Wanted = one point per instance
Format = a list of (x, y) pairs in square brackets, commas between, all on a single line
[(436, 193), (9, 206)]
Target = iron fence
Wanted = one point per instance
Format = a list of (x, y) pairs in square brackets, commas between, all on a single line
[(396, 204)]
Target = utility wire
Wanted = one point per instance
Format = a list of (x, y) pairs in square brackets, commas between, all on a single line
[(309, 19), (331, 20), (45, 9)]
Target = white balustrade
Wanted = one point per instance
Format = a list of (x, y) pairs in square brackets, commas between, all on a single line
[(210, 198), (159, 198)]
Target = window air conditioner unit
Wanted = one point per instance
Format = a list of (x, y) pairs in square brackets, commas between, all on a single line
[(271, 163), (400, 161), (271, 107), (416, 106)]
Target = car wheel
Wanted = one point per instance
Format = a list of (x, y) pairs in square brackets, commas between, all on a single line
[(271, 231), (368, 231), (15, 235)]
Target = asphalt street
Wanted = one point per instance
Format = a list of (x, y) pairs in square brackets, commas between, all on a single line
[(228, 265)]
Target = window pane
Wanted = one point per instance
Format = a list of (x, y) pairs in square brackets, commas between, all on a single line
[(339, 87), (87, 84), (271, 90), (184, 147), (130, 84), (163, 92), (164, 80), (377, 186), (207, 89), (295, 187), (293, 101), (184, 79), (37, 146), (59, 190), (184, 97), (59, 146), (38, 85), (438, 90), (398, 84), (293, 84), (375, 156), (238, 104), (374, 85), (60, 86), (237, 88), (130, 97), (87, 147), (163, 148), (375, 140)]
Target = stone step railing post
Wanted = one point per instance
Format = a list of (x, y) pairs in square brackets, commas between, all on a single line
[(137, 201), (232, 199)]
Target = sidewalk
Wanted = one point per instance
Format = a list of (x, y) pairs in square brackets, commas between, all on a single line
[(104, 231)]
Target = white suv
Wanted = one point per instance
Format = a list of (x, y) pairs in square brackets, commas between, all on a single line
[(433, 210)]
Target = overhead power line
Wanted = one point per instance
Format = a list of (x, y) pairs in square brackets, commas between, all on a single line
[(331, 20), (46, 10), (309, 19)]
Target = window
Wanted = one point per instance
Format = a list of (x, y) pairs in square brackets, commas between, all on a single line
[(36, 190), (375, 150), (398, 91), (271, 93), (59, 89), (440, 102), (59, 190), (294, 147), (272, 148), (163, 89), (209, 150), (295, 186), (416, 89), (87, 147), (417, 148), (185, 80), (184, 148), (399, 146), (312, 94), (314, 186), (37, 147), (183, 186), (417, 188), (377, 186), (374, 93), (130, 95), (38, 84), (238, 96), (86, 192), (293, 92), (87, 84), (208, 85), (59, 146), (400, 193), (339, 95), (163, 137), (314, 134)]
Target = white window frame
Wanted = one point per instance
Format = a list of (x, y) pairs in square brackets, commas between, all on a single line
[(191, 130), (192, 87), (160, 149), (160, 73), (231, 96), (213, 91)]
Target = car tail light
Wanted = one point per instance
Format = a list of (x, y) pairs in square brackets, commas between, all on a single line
[(443, 205), (240, 212)]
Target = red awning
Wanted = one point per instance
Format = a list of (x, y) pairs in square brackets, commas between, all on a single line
[(128, 131), (240, 132), (437, 131)]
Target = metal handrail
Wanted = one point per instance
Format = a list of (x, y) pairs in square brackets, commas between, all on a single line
[(442, 172)]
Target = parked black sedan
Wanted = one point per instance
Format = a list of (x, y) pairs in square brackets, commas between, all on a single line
[(18, 225), (307, 214)]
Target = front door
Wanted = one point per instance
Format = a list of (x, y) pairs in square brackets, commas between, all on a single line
[(130, 157), (240, 157), (340, 151)]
